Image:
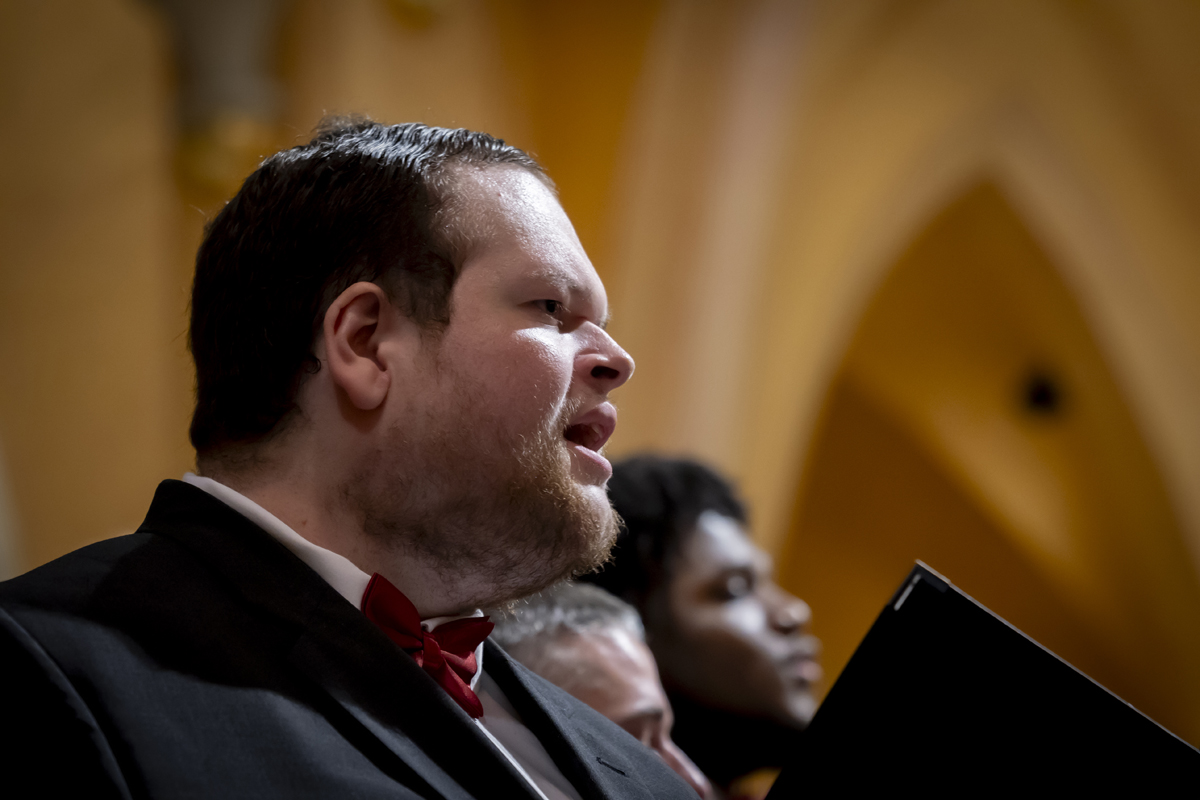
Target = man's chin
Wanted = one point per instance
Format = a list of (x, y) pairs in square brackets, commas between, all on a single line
[(603, 535), (596, 498), (595, 535)]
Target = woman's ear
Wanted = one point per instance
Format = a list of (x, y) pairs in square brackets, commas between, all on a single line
[(355, 328)]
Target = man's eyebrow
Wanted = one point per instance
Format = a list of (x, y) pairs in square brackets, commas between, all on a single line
[(559, 280), (576, 289)]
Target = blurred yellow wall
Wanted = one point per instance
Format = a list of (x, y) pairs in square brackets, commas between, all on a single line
[(788, 161), (975, 426), (838, 238), (87, 316)]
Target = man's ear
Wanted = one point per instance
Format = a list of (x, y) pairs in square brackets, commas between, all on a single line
[(356, 330)]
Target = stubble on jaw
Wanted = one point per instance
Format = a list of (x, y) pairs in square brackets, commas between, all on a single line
[(501, 516)]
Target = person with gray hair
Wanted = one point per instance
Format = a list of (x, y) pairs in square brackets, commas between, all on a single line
[(592, 645)]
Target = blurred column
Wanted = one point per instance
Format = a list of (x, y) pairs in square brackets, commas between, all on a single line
[(229, 95)]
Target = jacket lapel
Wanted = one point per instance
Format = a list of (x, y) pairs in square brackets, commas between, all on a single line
[(402, 718), (594, 767), (393, 699)]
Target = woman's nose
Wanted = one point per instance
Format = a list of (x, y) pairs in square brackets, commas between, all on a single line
[(790, 614)]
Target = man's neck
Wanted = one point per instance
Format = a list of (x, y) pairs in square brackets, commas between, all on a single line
[(309, 510)]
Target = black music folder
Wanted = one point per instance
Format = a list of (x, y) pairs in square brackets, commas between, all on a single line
[(944, 696)]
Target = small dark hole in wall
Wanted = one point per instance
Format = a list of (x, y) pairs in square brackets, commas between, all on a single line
[(1042, 394)]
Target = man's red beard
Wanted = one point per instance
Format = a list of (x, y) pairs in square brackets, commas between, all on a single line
[(503, 516)]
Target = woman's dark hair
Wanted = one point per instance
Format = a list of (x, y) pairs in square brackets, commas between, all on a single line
[(659, 501), (360, 202)]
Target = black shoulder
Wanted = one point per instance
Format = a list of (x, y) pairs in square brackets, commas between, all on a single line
[(65, 583), (50, 742)]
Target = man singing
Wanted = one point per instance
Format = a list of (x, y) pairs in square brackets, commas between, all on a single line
[(402, 380)]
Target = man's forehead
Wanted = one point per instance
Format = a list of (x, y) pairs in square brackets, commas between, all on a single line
[(510, 208), (485, 198), (629, 664)]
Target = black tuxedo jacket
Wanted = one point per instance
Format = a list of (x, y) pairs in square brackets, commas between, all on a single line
[(198, 657)]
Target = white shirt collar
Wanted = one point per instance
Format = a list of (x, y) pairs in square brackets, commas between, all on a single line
[(338, 571)]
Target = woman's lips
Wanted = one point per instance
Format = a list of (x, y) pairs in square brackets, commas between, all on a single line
[(803, 669)]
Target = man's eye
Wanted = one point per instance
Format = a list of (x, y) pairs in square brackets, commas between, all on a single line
[(551, 307)]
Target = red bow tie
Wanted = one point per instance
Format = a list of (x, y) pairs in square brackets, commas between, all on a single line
[(447, 654)]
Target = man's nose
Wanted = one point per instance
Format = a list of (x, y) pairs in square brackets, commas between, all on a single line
[(605, 366), (684, 767)]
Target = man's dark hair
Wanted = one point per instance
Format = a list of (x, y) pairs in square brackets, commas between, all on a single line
[(659, 501), (361, 202)]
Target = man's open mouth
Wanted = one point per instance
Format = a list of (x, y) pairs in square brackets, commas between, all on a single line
[(587, 435), (594, 428)]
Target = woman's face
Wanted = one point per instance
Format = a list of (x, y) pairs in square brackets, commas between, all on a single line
[(725, 634)]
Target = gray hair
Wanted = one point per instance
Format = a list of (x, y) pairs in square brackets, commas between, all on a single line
[(564, 608)]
